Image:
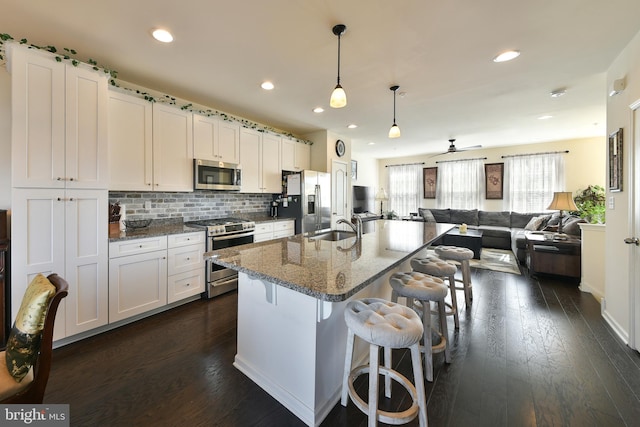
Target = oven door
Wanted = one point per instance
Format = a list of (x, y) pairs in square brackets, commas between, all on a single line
[(210, 175), (221, 279)]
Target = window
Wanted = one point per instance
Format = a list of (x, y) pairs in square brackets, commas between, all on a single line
[(405, 188), (530, 181), (460, 184)]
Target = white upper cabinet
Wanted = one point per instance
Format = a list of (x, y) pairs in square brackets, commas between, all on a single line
[(130, 143), (303, 157), (260, 160), (59, 122), (150, 145), (288, 155), (216, 140), (172, 148)]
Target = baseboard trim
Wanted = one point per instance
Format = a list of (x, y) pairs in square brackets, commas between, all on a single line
[(619, 331)]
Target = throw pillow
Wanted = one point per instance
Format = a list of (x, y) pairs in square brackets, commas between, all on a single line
[(426, 215), (571, 227), (534, 223), (23, 344)]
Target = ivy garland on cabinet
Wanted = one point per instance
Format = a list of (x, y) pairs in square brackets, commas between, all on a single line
[(70, 55)]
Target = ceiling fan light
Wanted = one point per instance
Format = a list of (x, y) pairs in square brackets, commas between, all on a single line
[(338, 97), (394, 132)]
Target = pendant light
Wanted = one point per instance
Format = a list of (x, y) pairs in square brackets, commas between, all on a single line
[(394, 132), (338, 96)]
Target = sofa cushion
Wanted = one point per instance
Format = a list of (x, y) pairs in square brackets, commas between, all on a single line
[(495, 231), (520, 220), (462, 216), (426, 215), (441, 215), (500, 219)]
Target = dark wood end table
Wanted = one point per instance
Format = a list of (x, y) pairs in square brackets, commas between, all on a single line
[(472, 239), (553, 256)]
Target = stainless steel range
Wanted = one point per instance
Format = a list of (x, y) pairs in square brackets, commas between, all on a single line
[(223, 233)]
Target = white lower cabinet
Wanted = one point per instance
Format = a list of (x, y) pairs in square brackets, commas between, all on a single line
[(137, 281), (273, 230), (147, 274), (186, 267)]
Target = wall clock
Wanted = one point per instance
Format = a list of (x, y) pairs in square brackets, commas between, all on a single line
[(340, 148)]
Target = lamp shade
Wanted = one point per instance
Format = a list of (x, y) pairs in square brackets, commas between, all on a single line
[(338, 97), (562, 201), (394, 132), (382, 195)]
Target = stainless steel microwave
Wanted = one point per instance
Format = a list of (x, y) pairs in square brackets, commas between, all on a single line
[(211, 175)]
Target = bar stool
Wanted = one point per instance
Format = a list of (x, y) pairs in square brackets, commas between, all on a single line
[(414, 285), (462, 255), (434, 266), (384, 324)]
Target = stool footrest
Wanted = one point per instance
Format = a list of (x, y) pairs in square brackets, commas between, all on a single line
[(384, 416)]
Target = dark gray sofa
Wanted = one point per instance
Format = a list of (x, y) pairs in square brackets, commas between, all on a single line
[(503, 230)]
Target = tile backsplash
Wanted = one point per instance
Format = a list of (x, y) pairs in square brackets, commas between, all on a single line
[(201, 204)]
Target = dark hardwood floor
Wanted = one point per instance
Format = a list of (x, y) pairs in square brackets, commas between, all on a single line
[(530, 352)]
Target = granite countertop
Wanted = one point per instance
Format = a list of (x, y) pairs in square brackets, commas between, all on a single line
[(154, 230), (331, 271)]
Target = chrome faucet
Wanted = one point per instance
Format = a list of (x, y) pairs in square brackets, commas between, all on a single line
[(356, 228)]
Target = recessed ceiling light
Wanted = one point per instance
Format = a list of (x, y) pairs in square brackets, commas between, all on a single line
[(161, 35), (371, 143), (267, 86), (558, 93), (318, 110), (547, 117), (352, 126), (507, 56)]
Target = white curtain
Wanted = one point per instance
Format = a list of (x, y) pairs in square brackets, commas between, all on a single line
[(461, 184), (405, 188), (531, 180)]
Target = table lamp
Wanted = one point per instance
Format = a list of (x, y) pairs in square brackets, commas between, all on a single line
[(382, 196), (562, 201)]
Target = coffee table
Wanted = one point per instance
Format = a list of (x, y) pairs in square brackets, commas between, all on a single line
[(472, 239)]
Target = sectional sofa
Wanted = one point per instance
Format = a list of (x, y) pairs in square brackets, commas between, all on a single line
[(503, 230)]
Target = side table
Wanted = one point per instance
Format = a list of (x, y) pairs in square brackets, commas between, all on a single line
[(472, 239), (552, 256)]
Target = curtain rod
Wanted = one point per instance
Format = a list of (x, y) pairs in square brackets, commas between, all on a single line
[(406, 164), (536, 154), (461, 160)]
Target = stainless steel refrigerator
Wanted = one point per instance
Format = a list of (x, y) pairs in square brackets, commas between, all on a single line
[(308, 200)]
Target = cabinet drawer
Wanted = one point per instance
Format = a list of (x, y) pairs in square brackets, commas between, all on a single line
[(264, 227), (262, 237), (185, 258), (283, 225), (137, 246), (186, 239), (185, 285)]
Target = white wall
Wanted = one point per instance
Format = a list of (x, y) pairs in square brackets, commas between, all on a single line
[(617, 259)]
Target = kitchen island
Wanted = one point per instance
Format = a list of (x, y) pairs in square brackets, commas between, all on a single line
[(291, 298)]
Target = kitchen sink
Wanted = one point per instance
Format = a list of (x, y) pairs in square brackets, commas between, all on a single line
[(334, 235)]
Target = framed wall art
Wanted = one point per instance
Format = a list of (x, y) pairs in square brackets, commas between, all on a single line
[(494, 176), (430, 179), (615, 161), (354, 170)]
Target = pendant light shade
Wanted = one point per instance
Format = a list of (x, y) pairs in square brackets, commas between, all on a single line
[(394, 132), (338, 96)]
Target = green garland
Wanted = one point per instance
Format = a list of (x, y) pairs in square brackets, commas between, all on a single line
[(70, 55)]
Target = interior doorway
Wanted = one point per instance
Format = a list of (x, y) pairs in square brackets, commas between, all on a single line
[(339, 191), (634, 232)]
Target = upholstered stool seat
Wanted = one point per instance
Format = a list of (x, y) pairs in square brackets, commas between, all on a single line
[(414, 285), (434, 266), (461, 255), (385, 324)]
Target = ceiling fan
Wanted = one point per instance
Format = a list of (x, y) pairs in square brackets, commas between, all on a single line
[(452, 148)]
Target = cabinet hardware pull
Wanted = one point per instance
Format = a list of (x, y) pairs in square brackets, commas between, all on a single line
[(70, 179), (148, 183), (59, 179)]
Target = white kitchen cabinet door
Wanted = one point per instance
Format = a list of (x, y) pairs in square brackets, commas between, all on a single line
[(86, 126), (185, 285), (63, 232), (205, 135), (303, 157), (172, 148), (251, 160), (130, 143), (86, 260), (271, 171), (38, 119), (137, 284), (288, 155), (59, 123), (228, 141)]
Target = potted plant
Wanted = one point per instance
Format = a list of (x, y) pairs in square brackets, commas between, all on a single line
[(591, 204), (391, 215)]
